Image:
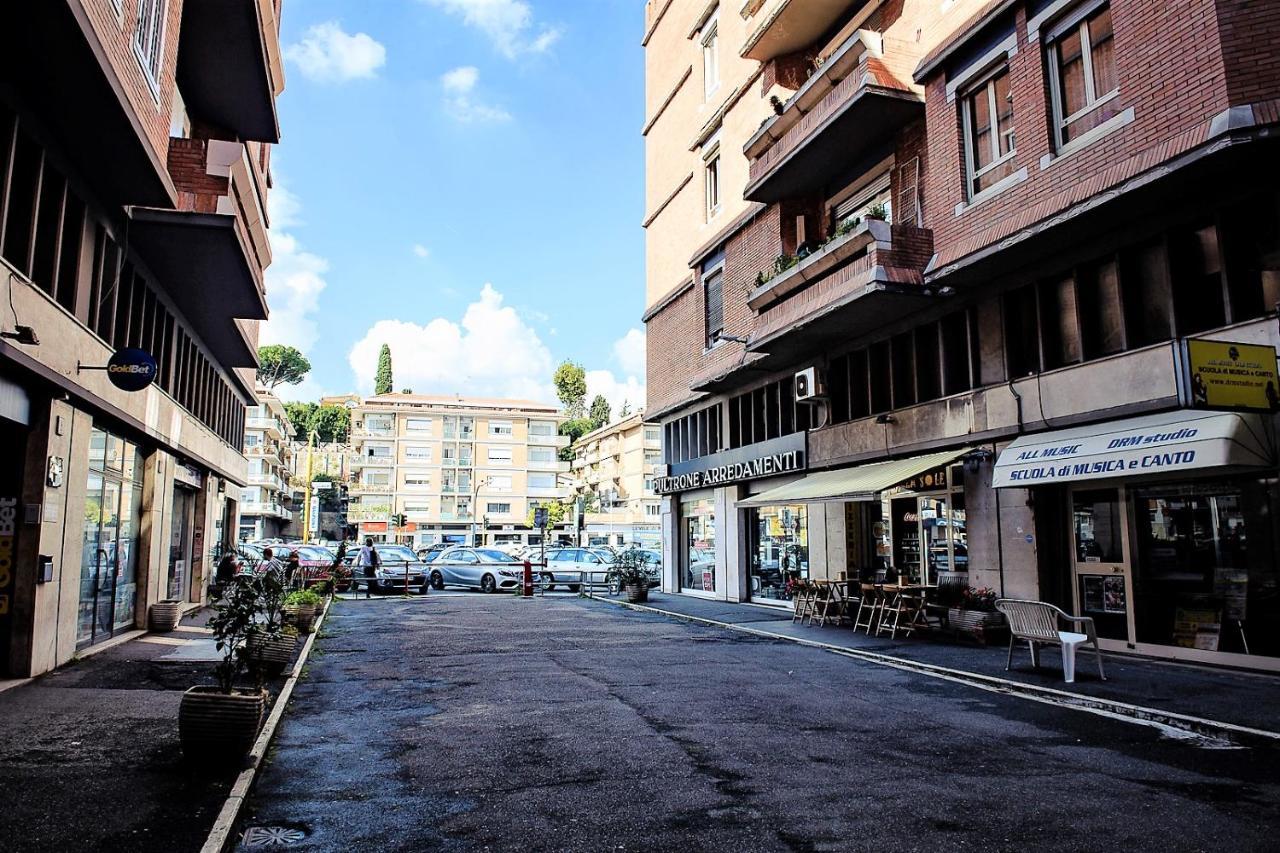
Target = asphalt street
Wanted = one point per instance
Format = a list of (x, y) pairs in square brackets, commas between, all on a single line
[(469, 722)]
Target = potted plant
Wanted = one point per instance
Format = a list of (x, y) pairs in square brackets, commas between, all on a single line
[(269, 645), (164, 616), (630, 574), (220, 722), (972, 611), (301, 607)]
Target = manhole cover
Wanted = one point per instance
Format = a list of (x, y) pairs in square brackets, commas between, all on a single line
[(272, 836)]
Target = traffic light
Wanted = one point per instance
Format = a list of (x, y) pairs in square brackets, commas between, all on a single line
[(401, 520)]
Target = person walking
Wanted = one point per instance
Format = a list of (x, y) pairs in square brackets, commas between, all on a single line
[(293, 571), (270, 563), (368, 561)]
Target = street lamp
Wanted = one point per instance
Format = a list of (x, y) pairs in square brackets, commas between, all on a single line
[(475, 502)]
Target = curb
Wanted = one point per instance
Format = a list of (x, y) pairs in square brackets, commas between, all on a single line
[(229, 814), (1221, 734)]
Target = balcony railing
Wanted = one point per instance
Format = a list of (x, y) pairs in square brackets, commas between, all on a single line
[(850, 105), (549, 440), (264, 508), (454, 434), (372, 489), (778, 27), (268, 424), (554, 465), (449, 462)]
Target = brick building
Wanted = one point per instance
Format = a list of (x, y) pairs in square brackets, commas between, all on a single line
[(975, 292), (134, 166)]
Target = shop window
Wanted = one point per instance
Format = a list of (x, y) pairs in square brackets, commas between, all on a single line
[(1083, 73), (1251, 241), (699, 552), (928, 364), (903, 369), (879, 373), (1147, 294), (1059, 330), (779, 551), (1196, 267), (1101, 309)]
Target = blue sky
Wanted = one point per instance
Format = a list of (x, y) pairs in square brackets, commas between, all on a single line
[(462, 179)]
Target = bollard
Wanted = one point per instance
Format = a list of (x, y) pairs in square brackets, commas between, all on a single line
[(528, 579)]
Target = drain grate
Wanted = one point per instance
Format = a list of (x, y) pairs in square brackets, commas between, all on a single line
[(272, 836)]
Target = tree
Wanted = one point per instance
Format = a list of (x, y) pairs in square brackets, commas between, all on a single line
[(600, 412), (626, 410), (300, 415), (575, 429), (331, 423), (571, 387), (278, 364), (382, 383), (556, 512)]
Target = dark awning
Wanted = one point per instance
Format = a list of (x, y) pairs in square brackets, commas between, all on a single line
[(224, 70), (201, 262)]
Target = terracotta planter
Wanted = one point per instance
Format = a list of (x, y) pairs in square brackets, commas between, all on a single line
[(216, 726), (164, 616), (272, 655), (637, 592), (301, 615)]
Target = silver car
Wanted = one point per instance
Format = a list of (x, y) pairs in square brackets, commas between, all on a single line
[(396, 565), (485, 569), (567, 565)]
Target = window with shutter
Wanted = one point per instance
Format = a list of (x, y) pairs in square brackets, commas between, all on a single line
[(715, 306)]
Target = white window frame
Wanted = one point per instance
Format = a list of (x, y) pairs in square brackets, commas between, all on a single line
[(533, 477), (1078, 21), (498, 482), (652, 510), (150, 51), (712, 178), (987, 82), (542, 428), (709, 40), (496, 508), (489, 451), (418, 452), (502, 429)]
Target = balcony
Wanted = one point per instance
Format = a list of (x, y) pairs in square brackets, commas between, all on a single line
[(229, 65), (268, 451), (457, 463), (558, 492), (368, 513), (554, 465), (269, 481), (454, 434), (786, 26), (372, 489), (847, 111), (271, 426), (457, 516), (548, 440), (456, 489), (262, 508), (373, 462)]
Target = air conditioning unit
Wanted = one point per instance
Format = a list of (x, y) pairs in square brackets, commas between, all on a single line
[(809, 386)]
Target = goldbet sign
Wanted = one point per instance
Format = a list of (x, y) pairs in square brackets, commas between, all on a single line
[(132, 369), (764, 459)]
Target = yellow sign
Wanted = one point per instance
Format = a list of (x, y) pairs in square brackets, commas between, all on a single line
[(1226, 375)]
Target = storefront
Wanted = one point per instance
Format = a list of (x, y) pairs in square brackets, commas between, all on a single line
[(1172, 530), (922, 538)]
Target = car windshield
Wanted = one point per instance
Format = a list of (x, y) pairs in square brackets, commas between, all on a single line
[(496, 556), (315, 554), (397, 553), (606, 556)]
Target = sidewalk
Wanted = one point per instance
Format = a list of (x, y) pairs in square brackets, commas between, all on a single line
[(1234, 697), (89, 753)]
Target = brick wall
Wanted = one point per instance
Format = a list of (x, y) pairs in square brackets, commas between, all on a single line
[(1249, 31), (1169, 98), (197, 189)]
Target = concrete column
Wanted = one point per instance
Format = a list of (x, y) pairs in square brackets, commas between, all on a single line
[(670, 545), (737, 536), (816, 518), (1001, 532), (727, 549)]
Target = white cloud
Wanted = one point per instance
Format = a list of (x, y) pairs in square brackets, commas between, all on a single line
[(327, 53), (629, 350), (617, 391), (508, 24), (421, 250), (459, 97), (294, 283), (283, 208), (492, 351)]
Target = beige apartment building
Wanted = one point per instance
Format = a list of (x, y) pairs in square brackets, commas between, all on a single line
[(266, 510), (455, 469), (613, 476)]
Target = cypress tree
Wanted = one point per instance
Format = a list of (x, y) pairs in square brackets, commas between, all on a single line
[(382, 382)]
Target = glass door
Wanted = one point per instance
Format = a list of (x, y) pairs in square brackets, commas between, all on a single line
[(1103, 579), (180, 545)]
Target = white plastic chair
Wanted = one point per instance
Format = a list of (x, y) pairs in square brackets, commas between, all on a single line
[(1038, 622)]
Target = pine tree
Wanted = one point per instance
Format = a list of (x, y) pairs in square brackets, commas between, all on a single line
[(382, 383)]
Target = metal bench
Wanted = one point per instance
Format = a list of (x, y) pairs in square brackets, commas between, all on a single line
[(1038, 622)]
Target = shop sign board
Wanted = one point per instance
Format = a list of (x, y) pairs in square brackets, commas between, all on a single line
[(132, 369), (1230, 375), (783, 455)]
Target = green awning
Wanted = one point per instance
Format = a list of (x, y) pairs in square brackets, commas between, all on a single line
[(862, 483)]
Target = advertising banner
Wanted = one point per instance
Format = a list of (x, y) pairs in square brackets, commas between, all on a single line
[(1229, 375)]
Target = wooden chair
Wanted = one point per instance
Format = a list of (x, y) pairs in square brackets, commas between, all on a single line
[(803, 604), (868, 603), (901, 613), (1039, 622)]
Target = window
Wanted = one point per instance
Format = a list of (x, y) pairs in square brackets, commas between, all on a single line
[(542, 481), (1083, 73), (417, 509), (498, 509), (710, 39), (714, 297), (711, 179), (988, 132), (416, 480), (653, 457), (852, 205), (652, 510), (500, 428), (419, 452), (542, 454), (500, 454), (148, 40), (418, 425), (651, 433), (499, 483), (542, 428)]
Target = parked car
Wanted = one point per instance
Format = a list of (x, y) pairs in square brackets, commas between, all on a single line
[(250, 557), (314, 560), (567, 565), (429, 553), (395, 562), (485, 569)]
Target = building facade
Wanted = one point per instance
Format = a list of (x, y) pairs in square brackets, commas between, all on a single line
[(456, 469), (613, 478), (267, 509), (976, 292), (134, 164)]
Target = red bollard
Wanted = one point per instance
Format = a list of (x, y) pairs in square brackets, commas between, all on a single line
[(528, 579)]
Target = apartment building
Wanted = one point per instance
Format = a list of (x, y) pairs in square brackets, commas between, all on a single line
[(134, 165), (974, 292), (266, 503), (614, 468), (457, 469)]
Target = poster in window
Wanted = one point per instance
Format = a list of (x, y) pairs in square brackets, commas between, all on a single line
[(1113, 595), (1091, 586)]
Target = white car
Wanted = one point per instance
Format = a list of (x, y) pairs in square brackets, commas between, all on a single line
[(567, 565)]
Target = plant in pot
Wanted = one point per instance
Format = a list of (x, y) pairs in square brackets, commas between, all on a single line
[(630, 574), (302, 606), (164, 616), (270, 644), (220, 722), (972, 611)]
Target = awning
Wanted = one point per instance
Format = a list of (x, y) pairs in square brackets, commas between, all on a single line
[(1183, 440), (863, 483)]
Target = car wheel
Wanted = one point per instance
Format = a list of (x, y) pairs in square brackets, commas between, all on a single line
[(437, 580), (615, 588), (488, 584)]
